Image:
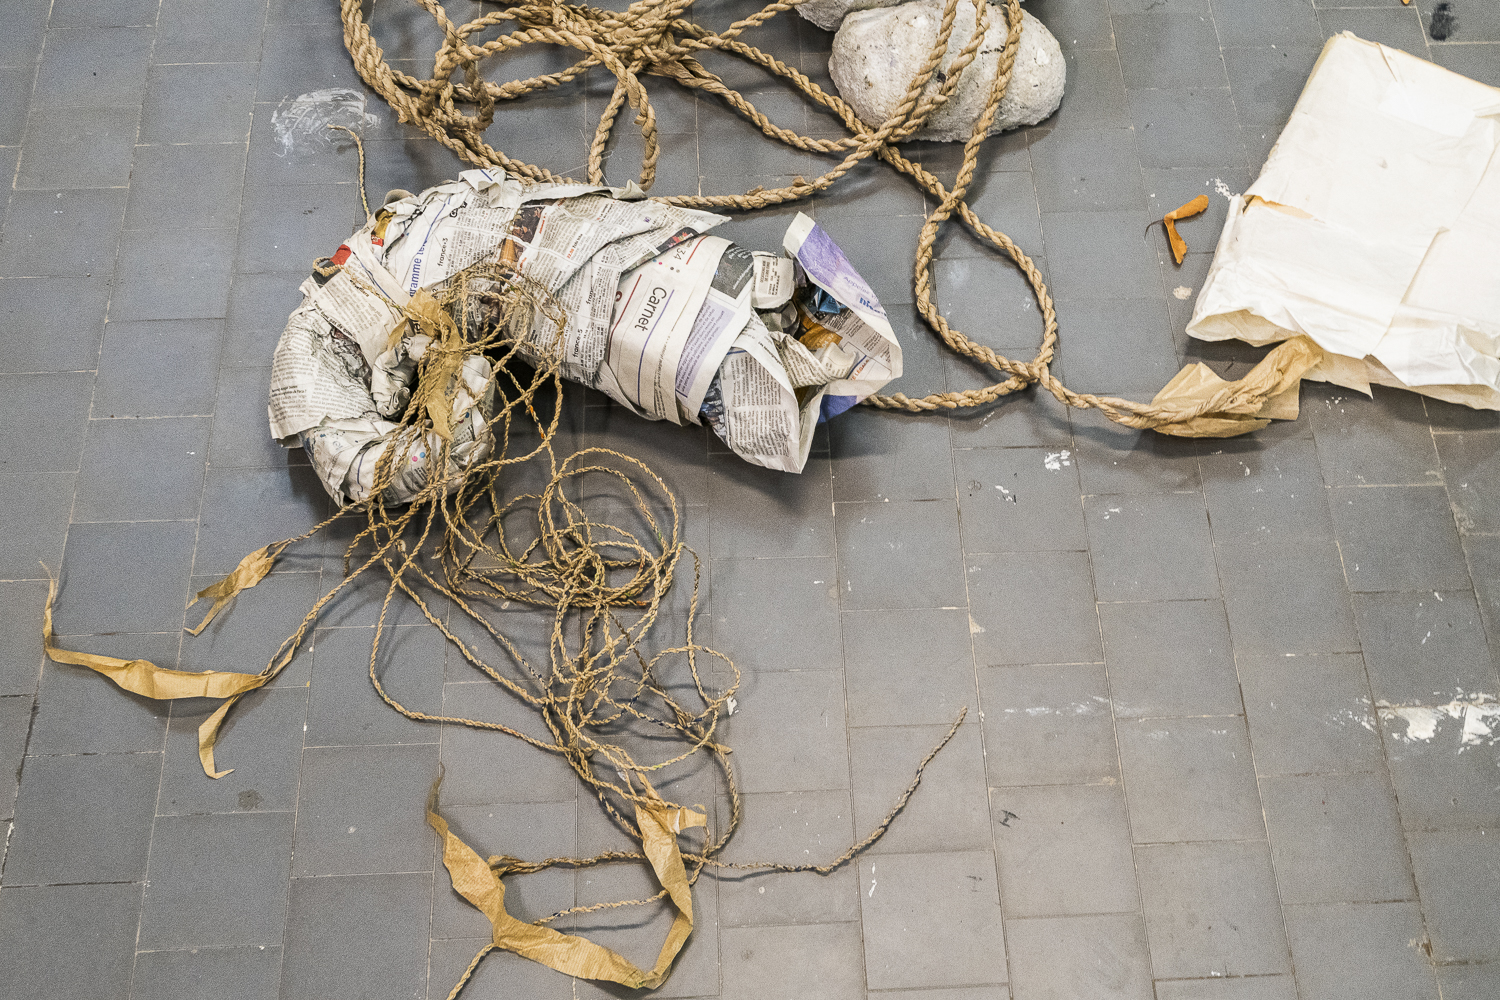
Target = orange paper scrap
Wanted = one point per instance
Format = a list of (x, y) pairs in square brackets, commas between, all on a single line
[(1192, 208)]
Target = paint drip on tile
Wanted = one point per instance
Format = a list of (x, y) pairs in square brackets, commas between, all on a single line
[(1479, 715)]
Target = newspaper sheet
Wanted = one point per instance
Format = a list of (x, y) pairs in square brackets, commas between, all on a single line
[(861, 325), (318, 373), (657, 306), (753, 407)]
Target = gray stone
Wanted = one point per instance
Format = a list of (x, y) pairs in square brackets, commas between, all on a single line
[(876, 53)]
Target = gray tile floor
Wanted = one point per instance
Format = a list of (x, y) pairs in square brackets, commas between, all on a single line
[(1175, 780)]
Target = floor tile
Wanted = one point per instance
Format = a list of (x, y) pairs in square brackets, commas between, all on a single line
[(1286, 598), (1048, 725), (82, 818), (1468, 461), (357, 936), (343, 706), (1266, 490), (761, 513), (1361, 950), (787, 961), (245, 509), (935, 920), (1189, 779), (15, 727), (1424, 648), (195, 31), (1444, 779), (217, 881), (79, 711), (1063, 849), (72, 311), (68, 941), (1095, 92), (1309, 714), (142, 470), (1032, 607), (1469, 982), (1151, 548), (158, 369), (1455, 871), (795, 827), (880, 650), (78, 148), (1185, 128), (1116, 345), (1100, 255), (125, 577), (354, 812), (1168, 50), (1086, 956), (1384, 441), (806, 711), (1400, 28), (1398, 538), (36, 520), (186, 187), (172, 274), (92, 14), (1278, 22), (500, 972), (869, 451), (1018, 500), (89, 67), (1116, 459), (1082, 171), (1336, 839), (1211, 910), (751, 612), (261, 740), (899, 555), (1249, 988), (1169, 658), (228, 973), (47, 416), (198, 102)]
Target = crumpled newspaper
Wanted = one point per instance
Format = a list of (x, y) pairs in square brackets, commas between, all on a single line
[(1374, 230), (672, 323)]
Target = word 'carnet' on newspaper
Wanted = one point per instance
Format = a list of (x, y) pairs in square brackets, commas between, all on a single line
[(670, 322)]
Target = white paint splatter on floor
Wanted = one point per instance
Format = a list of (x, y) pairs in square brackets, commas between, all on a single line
[(305, 118), (1479, 714)]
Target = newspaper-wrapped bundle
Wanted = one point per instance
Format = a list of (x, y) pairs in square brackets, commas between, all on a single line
[(672, 323)]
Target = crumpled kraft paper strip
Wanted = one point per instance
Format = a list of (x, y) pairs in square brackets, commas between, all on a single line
[(576, 956), (146, 679), (251, 570), (1273, 385), (1195, 207)]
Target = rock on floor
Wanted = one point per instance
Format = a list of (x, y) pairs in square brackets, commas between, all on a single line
[(876, 53), (827, 14)]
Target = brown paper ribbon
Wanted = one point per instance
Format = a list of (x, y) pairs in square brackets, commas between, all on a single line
[(1273, 386), (251, 570), (567, 953), (438, 385), (1195, 207), (146, 679)]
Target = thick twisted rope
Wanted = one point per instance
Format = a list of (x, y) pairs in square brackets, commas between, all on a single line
[(654, 38)]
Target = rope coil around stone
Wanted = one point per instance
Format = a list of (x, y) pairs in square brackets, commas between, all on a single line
[(655, 38)]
